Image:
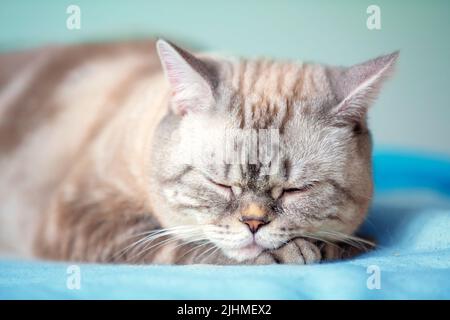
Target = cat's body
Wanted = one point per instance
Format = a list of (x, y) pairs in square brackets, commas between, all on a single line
[(91, 157)]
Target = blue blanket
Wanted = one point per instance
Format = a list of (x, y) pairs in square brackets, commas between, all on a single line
[(410, 218)]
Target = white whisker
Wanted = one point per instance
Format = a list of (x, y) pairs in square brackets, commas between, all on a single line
[(152, 235)]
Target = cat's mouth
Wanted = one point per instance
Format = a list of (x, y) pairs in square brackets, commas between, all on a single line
[(250, 248), (248, 251)]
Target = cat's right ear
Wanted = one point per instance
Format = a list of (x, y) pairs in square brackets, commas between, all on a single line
[(191, 79)]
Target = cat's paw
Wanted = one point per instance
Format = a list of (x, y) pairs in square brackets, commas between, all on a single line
[(341, 251), (297, 251)]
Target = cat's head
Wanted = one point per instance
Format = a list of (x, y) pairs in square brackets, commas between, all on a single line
[(254, 153)]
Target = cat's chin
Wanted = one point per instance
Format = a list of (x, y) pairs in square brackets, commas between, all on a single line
[(247, 252)]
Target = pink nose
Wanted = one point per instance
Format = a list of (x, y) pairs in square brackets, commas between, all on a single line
[(253, 224)]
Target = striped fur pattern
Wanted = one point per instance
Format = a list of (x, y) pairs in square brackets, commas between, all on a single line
[(100, 156)]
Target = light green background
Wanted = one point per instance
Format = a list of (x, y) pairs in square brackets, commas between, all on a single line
[(413, 110)]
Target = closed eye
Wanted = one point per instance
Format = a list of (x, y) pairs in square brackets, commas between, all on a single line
[(302, 189), (221, 185)]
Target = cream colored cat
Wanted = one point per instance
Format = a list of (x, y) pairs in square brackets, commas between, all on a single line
[(104, 157)]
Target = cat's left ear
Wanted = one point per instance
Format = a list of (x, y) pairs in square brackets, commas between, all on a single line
[(358, 86), (192, 79)]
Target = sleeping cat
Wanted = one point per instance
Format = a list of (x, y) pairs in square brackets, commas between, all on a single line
[(105, 156)]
